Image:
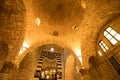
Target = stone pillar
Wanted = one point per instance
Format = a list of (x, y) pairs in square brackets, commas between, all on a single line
[(7, 69)]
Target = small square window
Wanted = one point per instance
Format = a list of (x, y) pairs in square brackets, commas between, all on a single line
[(117, 36), (104, 49), (108, 36), (108, 29), (104, 44), (105, 33), (113, 32), (113, 41)]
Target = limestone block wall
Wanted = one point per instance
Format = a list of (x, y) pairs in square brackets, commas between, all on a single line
[(14, 74), (105, 71), (28, 66), (93, 74), (3, 52), (108, 72), (12, 24), (70, 69)]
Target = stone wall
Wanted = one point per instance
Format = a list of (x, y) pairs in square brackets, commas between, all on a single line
[(93, 74), (70, 69), (28, 66), (3, 52), (104, 71), (108, 72), (12, 25)]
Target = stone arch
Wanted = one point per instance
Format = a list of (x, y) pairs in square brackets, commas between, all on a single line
[(29, 59), (56, 43), (33, 47)]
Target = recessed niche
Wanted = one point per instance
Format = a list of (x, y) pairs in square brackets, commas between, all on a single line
[(55, 33)]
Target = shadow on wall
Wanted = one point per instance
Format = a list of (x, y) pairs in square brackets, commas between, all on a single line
[(3, 51)]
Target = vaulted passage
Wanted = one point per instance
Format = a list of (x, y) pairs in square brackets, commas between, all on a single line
[(60, 40)]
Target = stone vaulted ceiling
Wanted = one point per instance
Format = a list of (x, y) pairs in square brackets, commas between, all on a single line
[(59, 18)]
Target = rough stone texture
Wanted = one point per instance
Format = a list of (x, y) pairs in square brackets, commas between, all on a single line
[(28, 66), (57, 15), (8, 67), (108, 71), (93, 74), (12, 25), (70, 69), (90, 21), (3, 52), (104, 70), (117, 57)]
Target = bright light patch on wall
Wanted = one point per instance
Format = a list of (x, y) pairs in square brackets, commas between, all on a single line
[(24, 47), (80, 59), (77, 69), (83, 4), (52, 49), (78, 52), (37, 21)]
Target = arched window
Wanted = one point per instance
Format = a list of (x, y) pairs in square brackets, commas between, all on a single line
[(111, 35)]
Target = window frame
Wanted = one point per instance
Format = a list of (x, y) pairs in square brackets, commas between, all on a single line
[(112, 33), (103, 46)]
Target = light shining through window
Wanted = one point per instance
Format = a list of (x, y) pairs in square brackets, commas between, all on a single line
[(79, 55), (112, 35), (80, 58), (103, 46), (37, 21), (78, 52), (52, 49), (24, 47)]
